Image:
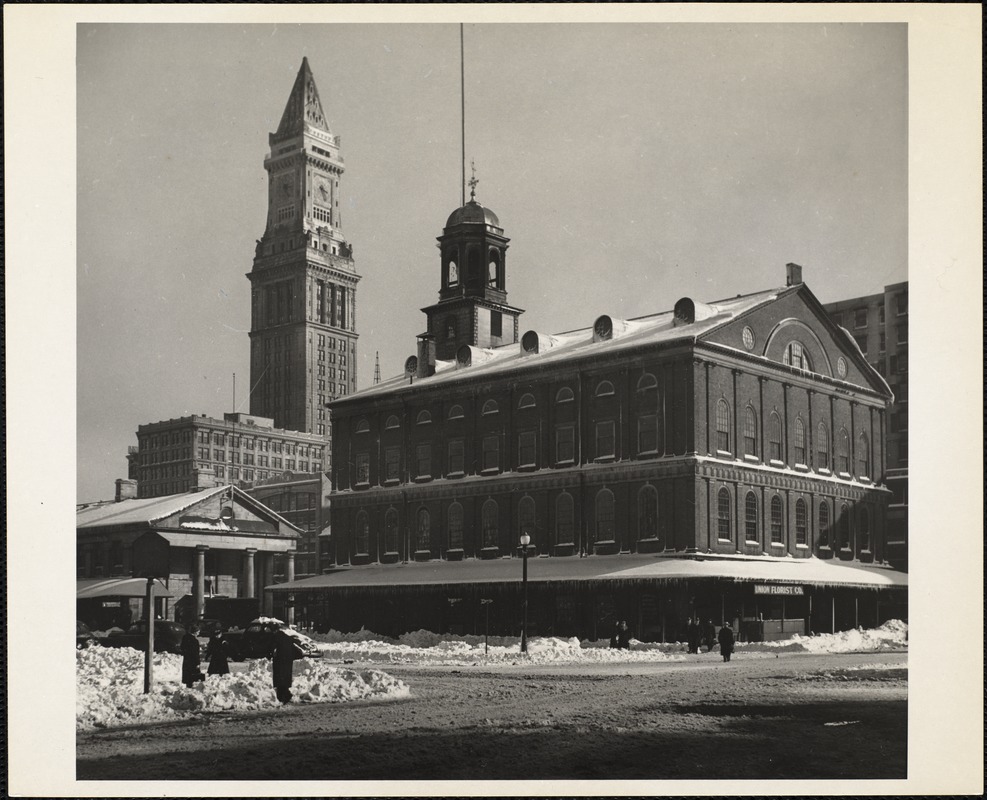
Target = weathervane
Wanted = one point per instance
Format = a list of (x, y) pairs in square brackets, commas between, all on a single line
[(473, 181)]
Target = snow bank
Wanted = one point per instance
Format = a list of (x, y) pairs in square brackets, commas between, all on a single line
[(425, 647), (110, 686)]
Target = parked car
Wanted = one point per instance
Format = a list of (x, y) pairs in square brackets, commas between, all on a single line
[(167, 637), (84, 637), (257, 640)]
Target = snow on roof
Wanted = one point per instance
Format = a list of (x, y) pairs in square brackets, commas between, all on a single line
[(653, 329), (144, 509)]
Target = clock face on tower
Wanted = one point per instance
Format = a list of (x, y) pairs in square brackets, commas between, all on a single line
[(322, 191), (286, 186)]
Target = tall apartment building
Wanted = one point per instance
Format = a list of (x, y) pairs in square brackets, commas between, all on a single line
[(303, 282), (879, 325)]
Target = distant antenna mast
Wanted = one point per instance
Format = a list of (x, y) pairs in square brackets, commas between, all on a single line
[(462, 94), (377, 369), (232, 438)]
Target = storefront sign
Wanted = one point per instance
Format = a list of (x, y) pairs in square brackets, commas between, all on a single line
[(760, 588)]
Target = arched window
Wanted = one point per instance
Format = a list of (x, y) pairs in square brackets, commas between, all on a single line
[(801, 522), (799, 441), (454, 527), (492, 268), (424, 418), (564, 395), (424, 529), (722, 426), (863, 456), (604, 516), (450, 327), (563, 519), (824, 532), (391, 531), (647, 382), (392, 422), (526, 521), (362, 534), (453, 273), (795, 356), (863, 531), (723, 514), (844, 527), (526, 401), (488, 520), (843, 455), (647, 513), (822, 447), (604, 389), (750, 432), (774, 437), (777, 521), (489, 407), (456, 412), (362, 426), (750, 518)]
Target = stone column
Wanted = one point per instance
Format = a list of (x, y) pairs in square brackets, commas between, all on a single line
[(199, 579), (289, 576), (249, 588), (267, 604)]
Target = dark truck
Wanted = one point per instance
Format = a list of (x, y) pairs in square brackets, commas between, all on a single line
[(257, 640)]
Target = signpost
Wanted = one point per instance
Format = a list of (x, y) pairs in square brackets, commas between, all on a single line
[(149, 652)]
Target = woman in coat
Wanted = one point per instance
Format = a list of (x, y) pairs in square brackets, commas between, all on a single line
[(190, 658), (217, 655), (725, 638), (285, 653)]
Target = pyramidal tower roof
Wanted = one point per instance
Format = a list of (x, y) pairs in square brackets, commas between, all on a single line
[(304, 108)]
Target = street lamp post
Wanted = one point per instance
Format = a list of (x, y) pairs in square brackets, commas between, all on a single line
[(525, 541)]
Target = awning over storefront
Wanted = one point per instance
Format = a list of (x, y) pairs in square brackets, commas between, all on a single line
[(808, 571), (118, 587)]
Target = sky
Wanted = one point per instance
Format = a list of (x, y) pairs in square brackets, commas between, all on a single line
[(630, 165)]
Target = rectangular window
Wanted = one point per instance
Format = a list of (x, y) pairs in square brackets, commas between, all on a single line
[(276, 463), (901, 304), (883, 342), (491, 453), (362, 468), (860, 318), (496, 324), (219, 455), (605, 440), (526, 447), (647, 433), (902, 334), (423, 460), (880, 314), (392, 463), (456, 457), (565, 444)]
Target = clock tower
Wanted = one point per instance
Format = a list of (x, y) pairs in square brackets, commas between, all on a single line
[(303, 282)]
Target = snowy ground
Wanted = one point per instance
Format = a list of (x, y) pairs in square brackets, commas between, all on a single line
[(110, 680)]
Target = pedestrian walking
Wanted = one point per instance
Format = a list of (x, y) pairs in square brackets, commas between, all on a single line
[(285, 653), (725, 637), (692, 635), (190, 658), (709, 635), (621, 639), (218, 655)]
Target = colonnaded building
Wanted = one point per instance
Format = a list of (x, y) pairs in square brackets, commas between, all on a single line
[(721, 460)]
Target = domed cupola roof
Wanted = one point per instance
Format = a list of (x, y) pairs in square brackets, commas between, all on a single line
[(472, 214)]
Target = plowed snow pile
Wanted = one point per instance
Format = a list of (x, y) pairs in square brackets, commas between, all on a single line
[(110, 686), (424, 647)]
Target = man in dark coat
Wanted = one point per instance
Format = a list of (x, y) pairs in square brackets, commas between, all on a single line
[(709, 635), (217, 655), (621, 639), (692, 635), (725, 638), (285, 653), (190, 658)]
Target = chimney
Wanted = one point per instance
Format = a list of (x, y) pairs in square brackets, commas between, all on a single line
[(426, 355), (793, 272), (126, 489)]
